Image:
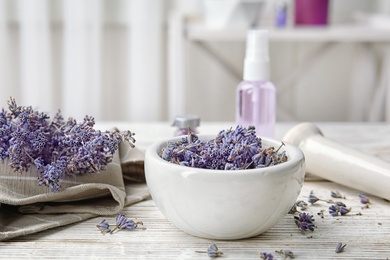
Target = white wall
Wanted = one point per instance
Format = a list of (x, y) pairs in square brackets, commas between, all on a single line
[(322, 94)]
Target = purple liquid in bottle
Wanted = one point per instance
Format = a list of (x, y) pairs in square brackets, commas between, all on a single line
[(256, 106), (256, 95)]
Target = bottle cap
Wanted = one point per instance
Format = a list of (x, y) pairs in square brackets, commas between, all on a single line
[(185, 121), (256, 64)]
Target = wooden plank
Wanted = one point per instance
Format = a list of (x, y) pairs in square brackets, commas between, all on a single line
[(367, 236)]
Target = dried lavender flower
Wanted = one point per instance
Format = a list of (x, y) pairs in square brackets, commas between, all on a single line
[(337, 195), (340, 208), (212, 251), (104, 227), (340, 247), (124, 223), (313, 199), (293, 210), (364, 199), (56, 148), (229, 150), (266, 256), (304, 221), (286, 254), (300, 203)]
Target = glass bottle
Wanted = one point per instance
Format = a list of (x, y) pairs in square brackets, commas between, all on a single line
[(256, 95)]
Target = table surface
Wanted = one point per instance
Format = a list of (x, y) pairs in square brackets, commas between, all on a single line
[(367, 235)]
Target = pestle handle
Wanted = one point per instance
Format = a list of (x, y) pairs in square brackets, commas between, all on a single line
[(341, 164)]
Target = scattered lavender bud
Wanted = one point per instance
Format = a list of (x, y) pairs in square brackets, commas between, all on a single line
[(293, 210), (337, 195), (340, 247), (313, 199), (104, 227), (123, 223), (339, 203), (334, 210), (212, 251), (229, 150), (302, 204), (364, 199), (266, 256), (344, 210), (304, 222), (340, 208), (286, 254)]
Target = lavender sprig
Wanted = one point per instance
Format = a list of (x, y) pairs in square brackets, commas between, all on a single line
[(230, 150), (212, 251), (340, 208), (313, 199), (56, 148)]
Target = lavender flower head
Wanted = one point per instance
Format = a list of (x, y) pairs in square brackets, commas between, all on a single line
[(364, 199), (230, 150), (266, 256), (339, 208), (104, 227), (340, 247), (212, 251), (304, 222), (124, 223), (56, 148)]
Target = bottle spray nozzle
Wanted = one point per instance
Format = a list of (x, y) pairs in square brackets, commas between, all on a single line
[(256, 65)]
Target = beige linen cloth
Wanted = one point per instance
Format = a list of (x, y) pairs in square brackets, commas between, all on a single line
[(27, 208)]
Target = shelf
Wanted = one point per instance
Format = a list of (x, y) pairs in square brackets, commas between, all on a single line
[(340, 33)]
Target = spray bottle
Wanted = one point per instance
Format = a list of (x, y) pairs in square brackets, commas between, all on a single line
[(256, 95)]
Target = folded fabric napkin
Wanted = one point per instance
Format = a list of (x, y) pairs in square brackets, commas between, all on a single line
[(27, 208)]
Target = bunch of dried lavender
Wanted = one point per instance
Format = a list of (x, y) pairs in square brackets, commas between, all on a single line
[(230, 150), (57, 148)]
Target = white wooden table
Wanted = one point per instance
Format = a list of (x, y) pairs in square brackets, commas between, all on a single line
[(367, 236)]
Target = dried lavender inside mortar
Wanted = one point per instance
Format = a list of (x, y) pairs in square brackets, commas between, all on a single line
[(232, 149)]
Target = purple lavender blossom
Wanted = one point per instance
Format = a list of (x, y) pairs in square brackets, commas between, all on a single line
[(104, 227), (266, 256), (337, 194), (339, 208), (340, 247), (212, 251), (364, 199), (334, 210), (124, 223), (230, 150), (57, 148), (304, 222), (312, 198), (286, 254)]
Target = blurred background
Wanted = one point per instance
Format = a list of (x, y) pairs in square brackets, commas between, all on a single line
[(149, 60)]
